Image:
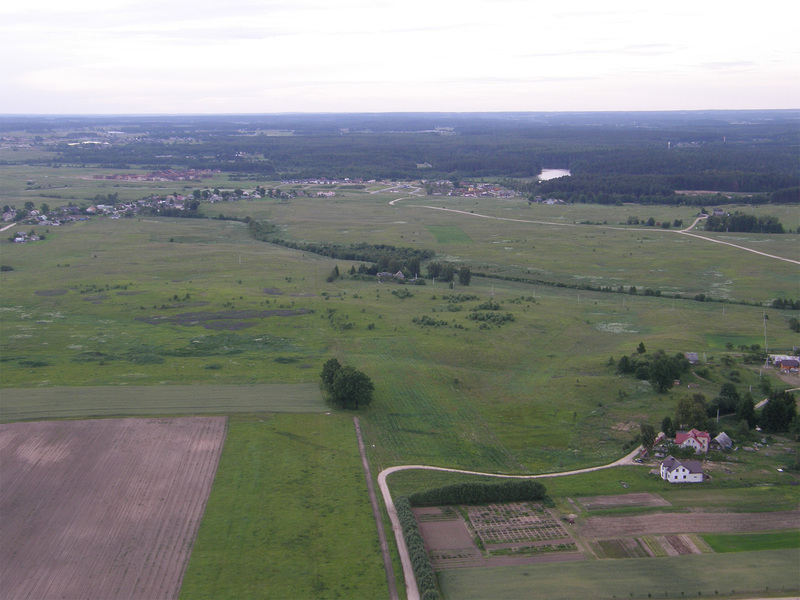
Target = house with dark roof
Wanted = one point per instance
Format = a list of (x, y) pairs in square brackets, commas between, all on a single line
[(721, 442), (681, 471)]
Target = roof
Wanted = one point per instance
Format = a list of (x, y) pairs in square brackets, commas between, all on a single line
[(671, 463), (723, 440), (682, 436)]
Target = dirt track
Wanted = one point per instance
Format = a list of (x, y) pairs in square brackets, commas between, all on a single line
[(617, 527), (103, 509)]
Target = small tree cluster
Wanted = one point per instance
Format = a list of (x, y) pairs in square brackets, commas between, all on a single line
[(346, 386), (780, 413), (421, 563), (660, 369), (511, 490)]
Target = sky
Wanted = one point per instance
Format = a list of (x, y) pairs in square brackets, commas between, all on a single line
[(277, 56)]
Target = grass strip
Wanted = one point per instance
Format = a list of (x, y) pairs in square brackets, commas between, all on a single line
[(749, 542)]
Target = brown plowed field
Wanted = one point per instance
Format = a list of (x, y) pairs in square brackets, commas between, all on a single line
[(103, 509), (617, 527)]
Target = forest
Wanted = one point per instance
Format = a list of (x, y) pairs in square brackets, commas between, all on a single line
[(613, 157)]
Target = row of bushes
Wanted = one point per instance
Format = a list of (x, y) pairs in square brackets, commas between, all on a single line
[(510, 490), (421, 563)]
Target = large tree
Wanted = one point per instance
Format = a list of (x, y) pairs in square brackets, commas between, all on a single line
[(691, 412), (779, 412), (351, 388), (329, 370), (647, 435)]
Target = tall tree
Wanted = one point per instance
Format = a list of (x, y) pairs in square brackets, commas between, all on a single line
[(351, 388), (779, 412), (464, 276), (329, 370), (647, 435)]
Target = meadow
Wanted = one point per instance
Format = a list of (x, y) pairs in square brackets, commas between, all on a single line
[(181, 305), (288, 516)]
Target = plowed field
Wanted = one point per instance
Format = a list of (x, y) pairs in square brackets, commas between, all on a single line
[(103, 509), (665, 523)]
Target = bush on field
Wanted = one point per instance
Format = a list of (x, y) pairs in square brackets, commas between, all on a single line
[(513, 490)]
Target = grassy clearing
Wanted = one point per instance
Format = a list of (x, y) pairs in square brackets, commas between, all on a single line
[(449, 234), (288, 516), (750, 542), (125, 401), (731, 575)]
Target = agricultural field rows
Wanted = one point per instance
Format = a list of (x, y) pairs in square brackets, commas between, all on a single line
[(103, 508)]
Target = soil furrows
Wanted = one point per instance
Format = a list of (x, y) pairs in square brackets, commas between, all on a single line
[(117, 519)]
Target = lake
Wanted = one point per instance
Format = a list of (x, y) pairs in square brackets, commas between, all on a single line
[(548, 174)]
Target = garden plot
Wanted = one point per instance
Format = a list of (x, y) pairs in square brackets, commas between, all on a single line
[(103, 508), (649, 546), (494, 535), (678, 523)]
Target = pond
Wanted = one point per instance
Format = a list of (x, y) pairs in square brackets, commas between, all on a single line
[(548, 174)]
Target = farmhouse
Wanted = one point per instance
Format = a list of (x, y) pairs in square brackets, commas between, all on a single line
[(387, 276), (681, 471), (692, 357), (787, 364), (699, 440)]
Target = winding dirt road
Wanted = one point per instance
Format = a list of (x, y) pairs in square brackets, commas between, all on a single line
[(412, 591)]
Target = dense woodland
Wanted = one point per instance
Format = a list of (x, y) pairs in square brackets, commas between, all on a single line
[(613, 157)]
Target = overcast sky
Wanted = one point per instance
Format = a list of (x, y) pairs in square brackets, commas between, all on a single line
[(266, 56)]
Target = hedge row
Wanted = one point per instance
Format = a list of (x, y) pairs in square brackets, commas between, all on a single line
[(423, 571), (511, 490)]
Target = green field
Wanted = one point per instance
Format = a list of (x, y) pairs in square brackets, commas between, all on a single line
[(744, 542), (288, 516)]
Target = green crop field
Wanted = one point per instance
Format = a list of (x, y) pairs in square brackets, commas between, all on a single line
[(744, 542), (288, 516)]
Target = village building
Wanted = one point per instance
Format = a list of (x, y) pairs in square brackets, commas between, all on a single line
[(787, 364), (681, 471), (699, 440)]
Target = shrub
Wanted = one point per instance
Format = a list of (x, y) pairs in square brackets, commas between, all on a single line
[(511, 490), (423, 570)]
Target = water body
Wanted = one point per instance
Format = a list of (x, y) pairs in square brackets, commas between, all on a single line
[(548, 174)]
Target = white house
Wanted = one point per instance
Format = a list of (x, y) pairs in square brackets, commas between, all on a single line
[(681, 471)]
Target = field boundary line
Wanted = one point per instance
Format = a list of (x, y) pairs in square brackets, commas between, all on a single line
[(376, 512), (412, 591)]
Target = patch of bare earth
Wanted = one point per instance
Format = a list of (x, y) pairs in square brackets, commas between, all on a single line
[(622, 500), (698, 522), (105, 508)]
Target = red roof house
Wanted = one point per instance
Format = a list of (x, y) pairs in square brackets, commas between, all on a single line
[(693, 438)]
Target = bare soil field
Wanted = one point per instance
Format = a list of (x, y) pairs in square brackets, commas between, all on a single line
[(667, 523), (103, 509), (622, 500)]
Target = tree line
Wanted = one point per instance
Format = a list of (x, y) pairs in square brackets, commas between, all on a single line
[(740, 222)]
